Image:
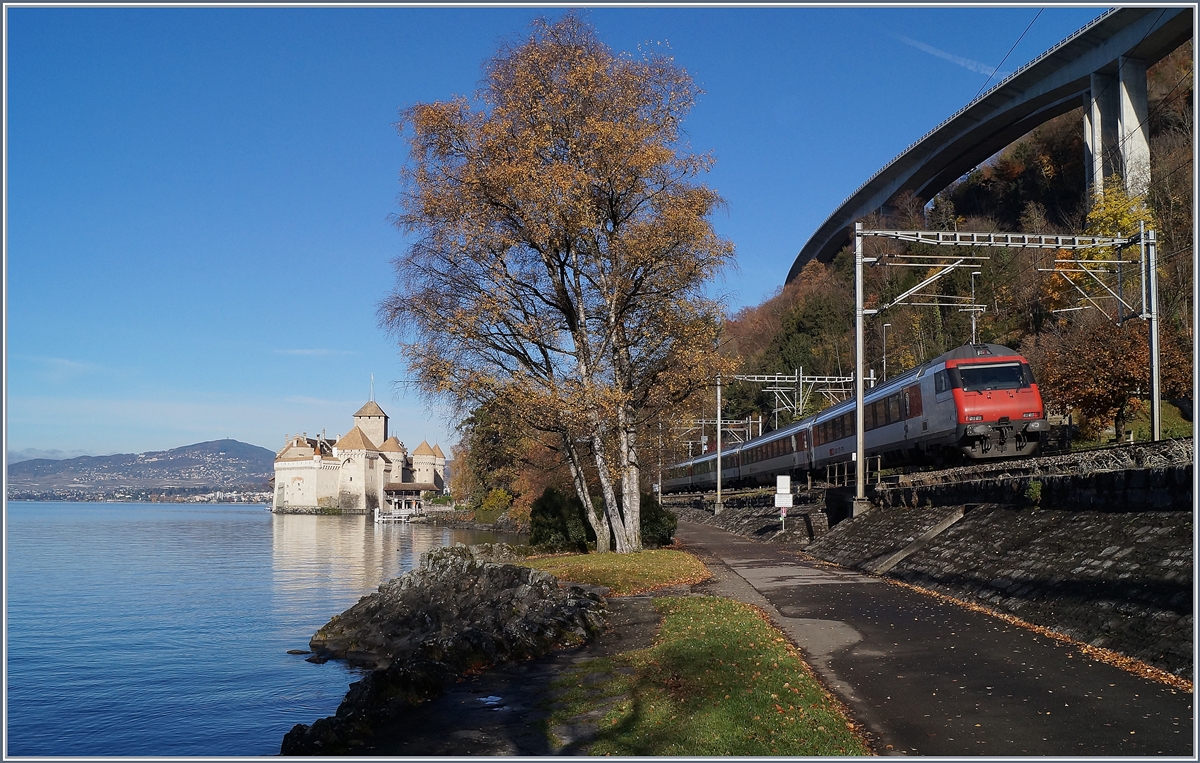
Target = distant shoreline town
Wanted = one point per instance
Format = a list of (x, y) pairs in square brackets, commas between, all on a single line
[(217, 496)]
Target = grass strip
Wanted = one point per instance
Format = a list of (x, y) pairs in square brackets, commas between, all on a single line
[(625, 574), (719, 681)]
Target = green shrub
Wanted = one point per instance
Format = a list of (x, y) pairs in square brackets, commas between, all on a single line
[(1033, 492), (658, 524), (557, 522), (495, 503)]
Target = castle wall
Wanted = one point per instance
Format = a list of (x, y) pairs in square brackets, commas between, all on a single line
[(305, 485), (359, 488)]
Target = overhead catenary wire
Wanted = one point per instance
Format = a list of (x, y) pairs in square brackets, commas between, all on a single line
[(1009, 53)]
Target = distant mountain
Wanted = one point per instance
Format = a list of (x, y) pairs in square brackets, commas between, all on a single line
[(28, 454), (215, 465)]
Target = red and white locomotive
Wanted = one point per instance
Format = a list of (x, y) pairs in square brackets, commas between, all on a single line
[(978, 401)]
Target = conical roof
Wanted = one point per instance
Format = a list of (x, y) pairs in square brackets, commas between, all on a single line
[(370, 409), (355, 440), (424, 450), (391, 445), (437, 451)]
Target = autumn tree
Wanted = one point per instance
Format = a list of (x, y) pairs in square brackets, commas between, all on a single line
[(560, 245), (1101, 369)]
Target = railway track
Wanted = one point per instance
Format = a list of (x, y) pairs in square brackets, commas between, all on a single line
[(1078, 461)]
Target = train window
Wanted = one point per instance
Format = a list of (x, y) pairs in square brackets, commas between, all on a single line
[(941, 382), (913, 400), (977, 377), (893, 402)]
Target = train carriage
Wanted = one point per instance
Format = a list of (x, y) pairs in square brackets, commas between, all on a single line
[(978, 401)]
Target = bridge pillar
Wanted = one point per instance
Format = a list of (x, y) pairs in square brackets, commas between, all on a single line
[(1135, 132), (1101, 131), (1115, 130)]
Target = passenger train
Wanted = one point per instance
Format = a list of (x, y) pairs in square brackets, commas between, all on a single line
[(976, 402)]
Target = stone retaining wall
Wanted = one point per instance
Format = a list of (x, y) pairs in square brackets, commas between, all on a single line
[(323, 510), (1162, 488), (755, 516)]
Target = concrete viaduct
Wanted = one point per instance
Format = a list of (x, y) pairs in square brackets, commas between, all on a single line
[(1101, 67)]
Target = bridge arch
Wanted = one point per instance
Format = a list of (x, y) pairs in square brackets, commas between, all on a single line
[(1114, 49)]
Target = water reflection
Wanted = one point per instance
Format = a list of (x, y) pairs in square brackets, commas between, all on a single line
[(338, 559)]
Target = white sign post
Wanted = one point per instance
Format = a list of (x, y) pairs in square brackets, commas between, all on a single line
[(783, 498)]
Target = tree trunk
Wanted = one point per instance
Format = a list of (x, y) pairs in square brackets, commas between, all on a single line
[(631, 482), (612, 508), (599, 524)]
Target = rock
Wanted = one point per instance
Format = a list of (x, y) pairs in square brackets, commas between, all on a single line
[(299, 651), (457, 612)]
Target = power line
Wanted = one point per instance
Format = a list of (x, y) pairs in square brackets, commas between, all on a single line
[(1009, 53)]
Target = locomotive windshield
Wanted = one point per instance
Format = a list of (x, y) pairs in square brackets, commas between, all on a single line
[(1000, 376)]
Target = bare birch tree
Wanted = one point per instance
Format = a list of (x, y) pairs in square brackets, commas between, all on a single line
[(560, 247)]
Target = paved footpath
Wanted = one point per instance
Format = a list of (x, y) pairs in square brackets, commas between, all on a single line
[(927, 677)]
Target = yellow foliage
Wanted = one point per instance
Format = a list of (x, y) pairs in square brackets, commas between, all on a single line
[(1115, 213), (562, 242)]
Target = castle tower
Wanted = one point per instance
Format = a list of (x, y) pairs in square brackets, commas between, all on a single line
[(423, 460), (360, 478), (372, 421)]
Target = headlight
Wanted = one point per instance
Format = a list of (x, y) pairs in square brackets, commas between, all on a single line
[(975, 418), (1032, 414)]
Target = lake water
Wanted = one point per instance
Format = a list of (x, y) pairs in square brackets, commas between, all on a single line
[(163, 629)]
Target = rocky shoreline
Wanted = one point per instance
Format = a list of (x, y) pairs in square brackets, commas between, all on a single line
[(462, 610)]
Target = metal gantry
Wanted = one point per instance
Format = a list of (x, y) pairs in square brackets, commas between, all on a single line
[(737, 431), (793, 399), (794, 391), (1093, 268)]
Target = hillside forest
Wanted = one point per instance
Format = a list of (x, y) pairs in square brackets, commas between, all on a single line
[(1088, 363)]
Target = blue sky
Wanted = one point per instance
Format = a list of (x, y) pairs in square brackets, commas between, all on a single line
[(198, 199)]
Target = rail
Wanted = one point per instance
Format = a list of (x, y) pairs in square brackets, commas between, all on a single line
[(842, 474)]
